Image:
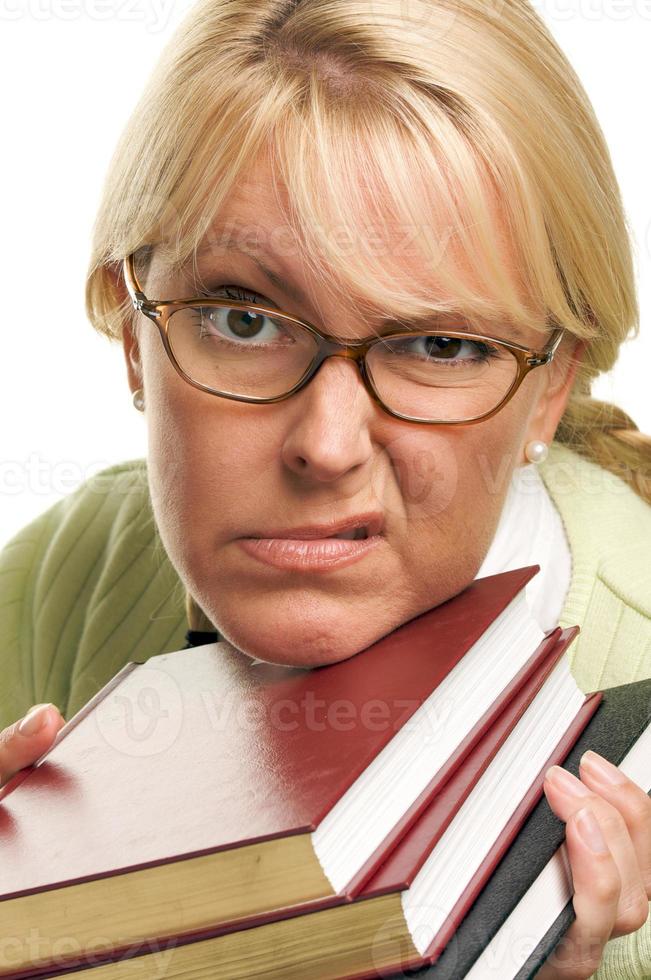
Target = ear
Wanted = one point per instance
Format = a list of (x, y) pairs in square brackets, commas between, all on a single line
[(130, 345), (555, 395), (132, 357)]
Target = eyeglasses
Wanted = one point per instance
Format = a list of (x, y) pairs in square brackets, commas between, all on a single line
[(258, 354)]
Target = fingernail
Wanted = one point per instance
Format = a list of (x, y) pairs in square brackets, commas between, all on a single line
[(601, 768), (34, 719), (590, 831), (566, 782)]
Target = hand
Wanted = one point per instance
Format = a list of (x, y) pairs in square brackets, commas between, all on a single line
[(21, 748), (608, 836)]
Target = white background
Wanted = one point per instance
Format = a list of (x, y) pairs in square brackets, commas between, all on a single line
[(70, 73)]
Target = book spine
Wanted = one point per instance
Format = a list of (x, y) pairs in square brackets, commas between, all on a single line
[(552, 646), (425, 965), (511, 830)]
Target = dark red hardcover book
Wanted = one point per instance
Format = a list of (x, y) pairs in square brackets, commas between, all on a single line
[(213, 952), (186, 759)]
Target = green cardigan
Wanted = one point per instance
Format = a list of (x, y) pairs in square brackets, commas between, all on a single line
[(87, 586)]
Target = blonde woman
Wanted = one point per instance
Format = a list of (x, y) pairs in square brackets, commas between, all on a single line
[(364, 270)]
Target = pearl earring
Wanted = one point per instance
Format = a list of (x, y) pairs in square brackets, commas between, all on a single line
[(139, 399), (536, 451)]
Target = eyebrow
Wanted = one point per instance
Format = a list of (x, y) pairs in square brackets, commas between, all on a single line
[(232, 244), (424, 321)]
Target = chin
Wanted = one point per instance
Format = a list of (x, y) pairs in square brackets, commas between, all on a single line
[(295, 642)]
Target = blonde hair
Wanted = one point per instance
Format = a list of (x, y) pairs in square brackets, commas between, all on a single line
[(445, 114)]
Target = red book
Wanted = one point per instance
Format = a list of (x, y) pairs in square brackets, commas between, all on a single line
[(204, 790), (409, 912)]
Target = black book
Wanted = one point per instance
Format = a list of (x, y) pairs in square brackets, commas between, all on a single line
[(620, 725)]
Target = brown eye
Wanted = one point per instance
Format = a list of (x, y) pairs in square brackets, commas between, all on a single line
[(244, 324), (443, 346)]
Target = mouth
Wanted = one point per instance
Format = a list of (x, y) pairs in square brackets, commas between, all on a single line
[(354, 534), (317, 549), (356, 528)]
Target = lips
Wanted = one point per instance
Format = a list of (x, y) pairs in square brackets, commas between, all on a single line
[(323, 549), (354, 528)]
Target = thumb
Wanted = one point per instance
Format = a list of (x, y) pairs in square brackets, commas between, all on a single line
[(26, 740)]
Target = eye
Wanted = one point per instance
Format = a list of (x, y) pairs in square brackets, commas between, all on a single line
[(231, 324), (442, 349)]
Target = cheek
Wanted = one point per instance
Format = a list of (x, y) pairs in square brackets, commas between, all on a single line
[(452, 486), (446, 470), (175, 433), (209, 461)]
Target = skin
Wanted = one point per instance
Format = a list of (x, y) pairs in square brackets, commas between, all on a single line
[(220, 470)]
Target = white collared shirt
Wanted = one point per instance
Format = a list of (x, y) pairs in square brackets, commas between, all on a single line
[(530, 532)]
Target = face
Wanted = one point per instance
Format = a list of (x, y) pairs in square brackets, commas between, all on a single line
[(227, 476)]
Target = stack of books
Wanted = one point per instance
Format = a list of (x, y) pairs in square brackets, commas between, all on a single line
[(211, 815)]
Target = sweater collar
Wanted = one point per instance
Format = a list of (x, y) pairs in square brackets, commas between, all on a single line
[(608, 526)]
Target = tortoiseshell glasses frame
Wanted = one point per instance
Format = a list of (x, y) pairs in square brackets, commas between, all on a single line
[(328, 345)]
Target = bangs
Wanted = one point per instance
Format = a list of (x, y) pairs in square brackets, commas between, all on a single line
[(402, 220), (402, 204)]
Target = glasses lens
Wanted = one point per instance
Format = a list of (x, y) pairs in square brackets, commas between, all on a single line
[(440, 378), (433, 377), (240, 351)]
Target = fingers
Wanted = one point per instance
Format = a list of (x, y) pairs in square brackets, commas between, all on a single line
[(21, 746), (566, 795), (597, 885), (631, 801)]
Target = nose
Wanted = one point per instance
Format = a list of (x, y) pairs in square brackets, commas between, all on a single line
[(329, 431)]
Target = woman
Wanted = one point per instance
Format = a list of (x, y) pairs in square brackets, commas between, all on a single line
[(331, 172)]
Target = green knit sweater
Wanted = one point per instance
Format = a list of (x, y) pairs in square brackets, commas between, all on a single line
[(87, 586)]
